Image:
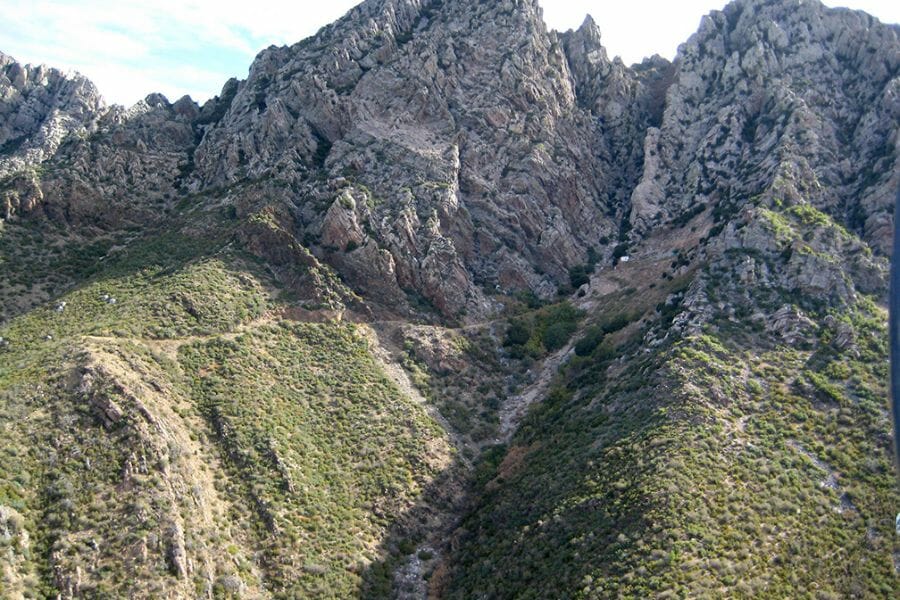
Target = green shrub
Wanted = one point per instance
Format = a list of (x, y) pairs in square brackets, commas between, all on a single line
[(580, 275), (591, 339), (557, 335), (517, 334)]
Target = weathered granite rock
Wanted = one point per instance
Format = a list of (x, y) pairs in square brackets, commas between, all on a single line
[(479, 152), (785, 99), (119, 167), (16, 543), (791, 325), (39, 108), (469, 167)]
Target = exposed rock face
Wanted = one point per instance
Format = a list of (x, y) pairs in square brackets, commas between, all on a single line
[(483, 152), (490, 175), (790, 324), (127, 171), (785, 99), (39, 108), (627, 102), (176, 556), (824, 263)]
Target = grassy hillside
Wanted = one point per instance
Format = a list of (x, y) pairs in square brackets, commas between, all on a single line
[(168, 432), (190, 417), (738, 461), (705, 468), (318, 442)]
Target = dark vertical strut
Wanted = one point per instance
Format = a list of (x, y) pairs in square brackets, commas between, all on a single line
[(895, 330)]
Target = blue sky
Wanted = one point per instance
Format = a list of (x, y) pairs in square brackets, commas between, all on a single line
[(130, 49)]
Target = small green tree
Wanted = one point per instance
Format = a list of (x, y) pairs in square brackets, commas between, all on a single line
[(558, 334)]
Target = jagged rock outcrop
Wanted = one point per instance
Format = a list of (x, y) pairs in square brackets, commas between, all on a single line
[(627, 101), (66, 156), (787, 99), (484, 168), (297, 97), (128, 171), (492, 175), (39, 108)]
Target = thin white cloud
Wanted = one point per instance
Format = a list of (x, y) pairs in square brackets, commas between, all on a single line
[(131, 48)]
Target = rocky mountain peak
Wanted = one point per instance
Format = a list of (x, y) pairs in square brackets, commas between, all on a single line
[(535, 145), (39, 108), (774, 96), (588, 33), (416, 82)]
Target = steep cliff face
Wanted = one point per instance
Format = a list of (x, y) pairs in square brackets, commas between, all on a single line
[(481, 152), (456, 130), (785, 99), (614, 330), (625, 101)]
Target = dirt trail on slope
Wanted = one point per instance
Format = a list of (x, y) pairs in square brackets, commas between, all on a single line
[(516, 407)]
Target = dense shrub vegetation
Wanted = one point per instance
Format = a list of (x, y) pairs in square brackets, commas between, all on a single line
[(204, 431), (544, 330)]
